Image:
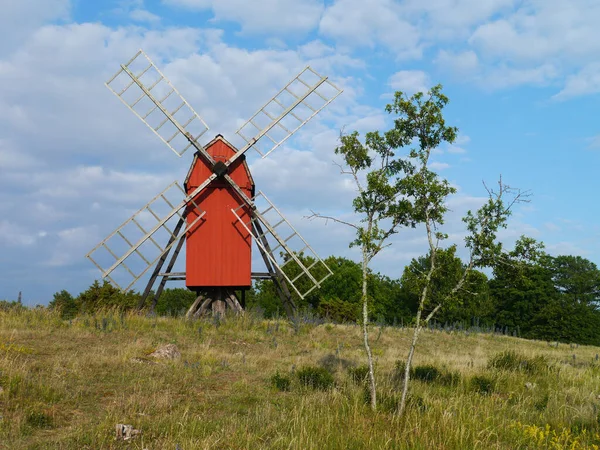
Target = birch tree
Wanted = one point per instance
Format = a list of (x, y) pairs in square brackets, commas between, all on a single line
[(376, 173), (386, 194), (402, 191)]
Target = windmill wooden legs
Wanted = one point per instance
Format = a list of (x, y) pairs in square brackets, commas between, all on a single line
[(216, 300), (278, 279), (159, 266)]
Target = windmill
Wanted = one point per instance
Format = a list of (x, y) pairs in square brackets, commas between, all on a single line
[(217, 213)]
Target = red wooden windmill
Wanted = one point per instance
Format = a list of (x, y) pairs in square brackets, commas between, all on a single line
[(217, 213)]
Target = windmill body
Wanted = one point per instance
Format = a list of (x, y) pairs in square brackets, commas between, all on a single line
[(218, 246), (217, 214)]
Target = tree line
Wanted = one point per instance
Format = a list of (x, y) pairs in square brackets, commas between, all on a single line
[(538, 296)]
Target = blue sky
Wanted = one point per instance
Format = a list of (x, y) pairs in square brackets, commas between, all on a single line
[(522, 77)]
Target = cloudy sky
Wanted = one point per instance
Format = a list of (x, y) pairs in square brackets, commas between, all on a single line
[(522, 76)]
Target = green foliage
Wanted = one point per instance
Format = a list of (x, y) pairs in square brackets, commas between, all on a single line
[(315, 377), (399, 371), (431, 374), (64, 303), (461, 306), (37, 419), (577, 278), (482, 384), (390, 399), (332, 362), (174, 301), (281, 382), (339, 297), (338, 310), (427, 373), (510, 360), (6, 305), (358, 374), (550, 298), (106, 296)]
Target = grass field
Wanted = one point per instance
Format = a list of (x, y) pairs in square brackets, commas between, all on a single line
[(67, 384)]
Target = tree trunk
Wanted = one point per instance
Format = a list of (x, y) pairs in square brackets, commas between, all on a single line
[(372, 387), (409, 359), (415, 338)]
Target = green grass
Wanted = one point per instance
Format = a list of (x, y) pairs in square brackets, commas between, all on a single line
[(66, 384)]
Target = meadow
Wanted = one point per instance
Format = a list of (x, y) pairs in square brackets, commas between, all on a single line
[(245, 382)]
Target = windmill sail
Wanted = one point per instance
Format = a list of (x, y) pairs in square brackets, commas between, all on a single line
[(143, 88), (290, 109), (297, 262), (138, 243)]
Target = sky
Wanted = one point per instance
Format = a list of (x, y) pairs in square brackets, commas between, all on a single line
[(523, 78)]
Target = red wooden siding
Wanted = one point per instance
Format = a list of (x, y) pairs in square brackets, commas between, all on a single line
[(218, 247)]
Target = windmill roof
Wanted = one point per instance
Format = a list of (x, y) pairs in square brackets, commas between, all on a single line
[(218, 137)]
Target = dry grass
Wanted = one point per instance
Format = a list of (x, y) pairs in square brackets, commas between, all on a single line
[(66, 385)]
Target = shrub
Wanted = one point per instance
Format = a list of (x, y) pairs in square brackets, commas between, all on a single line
[(315, 377), (39, 420), (7, 306), (338, 310), (512, 361), (358, 374), (332, 362), (427, 373), (64, 303), (398, 372), (389, 401), (281, 382), (542, 403), (482, 384)]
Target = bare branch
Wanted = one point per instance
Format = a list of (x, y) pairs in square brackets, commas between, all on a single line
[(315, 215), (432, 313)]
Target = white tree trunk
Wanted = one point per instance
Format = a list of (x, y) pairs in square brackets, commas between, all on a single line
[(365, 314)]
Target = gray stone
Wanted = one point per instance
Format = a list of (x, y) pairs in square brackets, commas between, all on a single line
[(126, 432), (167, 351)]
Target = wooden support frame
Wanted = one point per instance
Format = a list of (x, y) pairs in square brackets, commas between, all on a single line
[(160, 263), (217, 296), (216, 299), (165, 277), (278, 279)]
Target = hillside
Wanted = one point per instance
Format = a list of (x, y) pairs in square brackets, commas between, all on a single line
[(66, 384)]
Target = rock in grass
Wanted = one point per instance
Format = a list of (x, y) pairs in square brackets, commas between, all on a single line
[(167, 351), (126, 432)]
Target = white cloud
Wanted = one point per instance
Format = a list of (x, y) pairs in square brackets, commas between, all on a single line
[(436, 165), (506, 76), (566, 248), (551, 226), (142, 15), (455, 149), (586, 81), (12, 234), (365, 24), (264, 17), (71, 244), (20, 18), (462, 139), (410, 81), (459, 63), (594, 142), (542, 29), (449, 19)]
